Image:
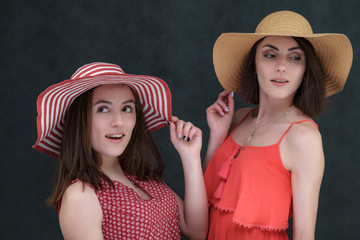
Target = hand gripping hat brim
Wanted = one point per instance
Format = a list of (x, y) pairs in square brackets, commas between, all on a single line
[(53, 103), (334, 51)]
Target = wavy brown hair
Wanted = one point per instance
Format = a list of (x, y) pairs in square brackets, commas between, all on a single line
[(77, 159), (310, 96)]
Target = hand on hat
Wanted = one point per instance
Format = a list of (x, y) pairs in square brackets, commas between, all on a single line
[(186, 138), (220, 114)]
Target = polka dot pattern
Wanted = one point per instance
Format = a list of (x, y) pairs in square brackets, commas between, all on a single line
[(127, 216)]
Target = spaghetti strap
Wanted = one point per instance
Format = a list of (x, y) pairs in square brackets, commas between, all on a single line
[(306, 120)]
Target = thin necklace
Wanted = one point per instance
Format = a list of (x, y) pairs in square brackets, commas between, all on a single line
[(133, 183), (261, 125)]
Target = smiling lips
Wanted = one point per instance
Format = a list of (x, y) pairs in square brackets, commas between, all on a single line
[(115, 136), (279, 81)]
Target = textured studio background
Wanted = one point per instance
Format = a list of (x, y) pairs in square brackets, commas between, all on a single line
[(43, 42)]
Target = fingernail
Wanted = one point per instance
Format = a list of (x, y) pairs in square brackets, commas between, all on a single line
[(232, 93), (179, 135), (188, 139), (184, 138), (226, 109)]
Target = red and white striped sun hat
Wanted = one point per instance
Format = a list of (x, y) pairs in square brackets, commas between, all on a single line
[(52, 104)]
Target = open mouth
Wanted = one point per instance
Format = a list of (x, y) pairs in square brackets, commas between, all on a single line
[(279, 81), (115, 137)]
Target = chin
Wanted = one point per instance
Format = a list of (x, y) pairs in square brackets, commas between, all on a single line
[(282, 96), (111, 154)]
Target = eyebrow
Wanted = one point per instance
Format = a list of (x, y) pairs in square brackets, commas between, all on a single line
[(275, 48), (110, 103)]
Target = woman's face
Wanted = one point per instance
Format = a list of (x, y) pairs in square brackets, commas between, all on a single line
[(113, 119), (280, 66)]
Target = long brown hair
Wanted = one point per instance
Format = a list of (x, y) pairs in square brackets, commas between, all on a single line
[(310, 96), (77, 159)]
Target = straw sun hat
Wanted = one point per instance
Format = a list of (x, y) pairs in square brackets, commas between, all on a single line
[(333, 50), (52, 104)]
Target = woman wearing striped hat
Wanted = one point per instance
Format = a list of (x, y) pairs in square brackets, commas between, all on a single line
[(266, 164), (108, 182)]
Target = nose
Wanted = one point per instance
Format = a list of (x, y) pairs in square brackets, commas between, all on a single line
[(117, 120), (280, 67)]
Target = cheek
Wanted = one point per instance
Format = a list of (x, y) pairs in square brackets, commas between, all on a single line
[(93, 137), (262, 68), (95, 131), (262, 72), (300, 71), (132, 123)]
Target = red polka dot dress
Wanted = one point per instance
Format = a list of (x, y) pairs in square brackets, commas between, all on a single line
[(127, 216)]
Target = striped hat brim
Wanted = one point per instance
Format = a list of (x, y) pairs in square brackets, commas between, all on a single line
[(52, 104)]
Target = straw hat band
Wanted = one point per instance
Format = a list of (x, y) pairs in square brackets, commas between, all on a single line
[(53, 103)]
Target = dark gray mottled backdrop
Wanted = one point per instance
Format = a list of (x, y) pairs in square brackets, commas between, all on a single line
[(44, 42)]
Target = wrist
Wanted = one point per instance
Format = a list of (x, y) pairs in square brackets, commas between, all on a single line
[(190, 161), (218, 136)]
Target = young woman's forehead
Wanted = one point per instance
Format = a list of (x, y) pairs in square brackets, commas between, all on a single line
[(279, 41), (113, 90)]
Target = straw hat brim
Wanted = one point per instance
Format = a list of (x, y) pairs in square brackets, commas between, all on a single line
[(334, 52), (52, 104)]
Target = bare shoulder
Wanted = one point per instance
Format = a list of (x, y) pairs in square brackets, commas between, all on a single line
[(78, 197), (302, 147), (304, 133), (78, 192), (238, 115), (80, 215)]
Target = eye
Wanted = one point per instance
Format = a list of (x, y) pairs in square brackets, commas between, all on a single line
[(269, 55), (295, 57), (102, 109), (127, 109)]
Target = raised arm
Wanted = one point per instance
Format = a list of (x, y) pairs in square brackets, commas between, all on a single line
[(219, 117), (80, 214), (187, 140), (304, 157)]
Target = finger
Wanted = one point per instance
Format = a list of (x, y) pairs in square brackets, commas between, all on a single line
[(194, 131), (223, 105), (186, 130), (231, 101), (172, 131), (175, 119), (179, 128), (223, 94), (217, 108)]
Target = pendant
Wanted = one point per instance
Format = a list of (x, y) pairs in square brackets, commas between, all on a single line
[(251, 135)]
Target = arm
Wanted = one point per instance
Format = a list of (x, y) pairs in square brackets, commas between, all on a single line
[(80, 215), (304, 157), (219, 117), (194, 209)]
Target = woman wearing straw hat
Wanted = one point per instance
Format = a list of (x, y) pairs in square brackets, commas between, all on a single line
[(266, 164), (108, 183)]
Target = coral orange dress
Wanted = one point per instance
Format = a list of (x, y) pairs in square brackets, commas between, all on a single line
[(250, 195)]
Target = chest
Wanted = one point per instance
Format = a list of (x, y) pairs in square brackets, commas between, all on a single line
[(268, 134), (125, 212)]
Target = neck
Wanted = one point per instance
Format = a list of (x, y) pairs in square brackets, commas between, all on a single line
[(111, 167), (273, 108)]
